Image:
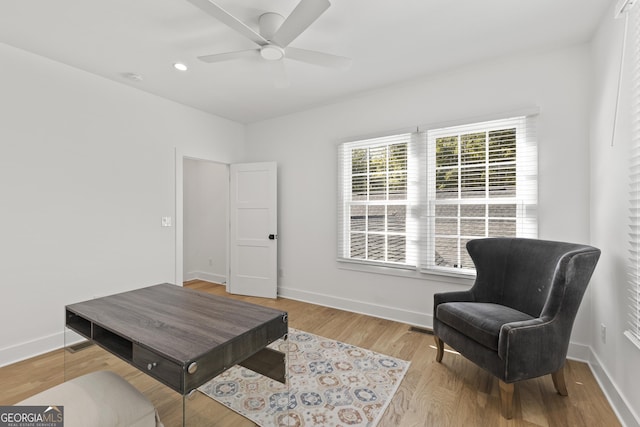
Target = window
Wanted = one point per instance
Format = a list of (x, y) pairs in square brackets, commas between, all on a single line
[(633, 332), (481, 183), (378, 211), (414, 200)]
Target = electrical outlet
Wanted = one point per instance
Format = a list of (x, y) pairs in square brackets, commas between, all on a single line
[(603, 333)]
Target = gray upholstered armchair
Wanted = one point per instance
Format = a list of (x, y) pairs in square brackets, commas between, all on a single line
[(516, 320)]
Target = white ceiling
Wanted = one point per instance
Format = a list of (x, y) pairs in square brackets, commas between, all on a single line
[(390, 41)]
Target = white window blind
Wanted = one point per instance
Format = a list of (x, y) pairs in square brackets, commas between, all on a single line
[(482, 182), (379, 200), (413, 200), (633, 331)]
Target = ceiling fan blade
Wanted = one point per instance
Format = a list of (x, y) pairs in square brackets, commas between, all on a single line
[(279, 74), (231, 21), (305, 13), (218, 57), (318, 58)]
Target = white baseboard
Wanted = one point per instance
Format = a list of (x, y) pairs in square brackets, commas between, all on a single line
[(381, 311), (579, 352), (25, 350), (207, 277), (619, 404)]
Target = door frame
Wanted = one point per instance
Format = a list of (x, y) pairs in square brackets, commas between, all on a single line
[(180, 156)]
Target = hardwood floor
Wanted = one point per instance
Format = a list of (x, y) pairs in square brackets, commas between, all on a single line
[(453, 393)]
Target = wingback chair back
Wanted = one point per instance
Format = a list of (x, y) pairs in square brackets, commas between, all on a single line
[(522, 273), (516, 320)]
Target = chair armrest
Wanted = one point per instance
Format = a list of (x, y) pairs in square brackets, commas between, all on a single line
[(456, 296), (532, 348)]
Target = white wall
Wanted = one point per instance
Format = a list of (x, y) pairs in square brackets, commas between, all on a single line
[(86, 173), (615, 360), (206, 221), (304, 145)]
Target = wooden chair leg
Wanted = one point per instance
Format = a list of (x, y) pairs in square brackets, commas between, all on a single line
[(559, 383), (506, 399), (440, 348)]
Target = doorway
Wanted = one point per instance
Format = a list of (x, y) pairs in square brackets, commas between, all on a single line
[(226, 224), (205, 225), (206, 256)]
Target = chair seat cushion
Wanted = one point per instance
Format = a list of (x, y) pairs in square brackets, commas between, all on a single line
[(479, 321)]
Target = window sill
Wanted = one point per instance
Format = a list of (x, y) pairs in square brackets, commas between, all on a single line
[(453, 277)]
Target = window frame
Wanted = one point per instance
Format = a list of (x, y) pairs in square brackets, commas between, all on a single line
[(525, 198), (345, 201), (420, 222)]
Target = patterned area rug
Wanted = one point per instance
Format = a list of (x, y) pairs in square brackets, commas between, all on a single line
[(330, 384)]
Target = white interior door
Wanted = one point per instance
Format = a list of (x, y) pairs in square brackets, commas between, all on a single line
[(253, 237)]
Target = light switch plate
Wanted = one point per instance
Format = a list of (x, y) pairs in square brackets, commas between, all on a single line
[(166, 221)]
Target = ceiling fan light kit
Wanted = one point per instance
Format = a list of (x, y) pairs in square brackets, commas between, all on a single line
[(271, 52), (275, 34)]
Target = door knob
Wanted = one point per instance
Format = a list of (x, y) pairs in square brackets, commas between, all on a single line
[(273, 236)]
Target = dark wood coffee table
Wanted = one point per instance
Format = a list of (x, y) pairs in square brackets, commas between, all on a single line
[(180, 336)]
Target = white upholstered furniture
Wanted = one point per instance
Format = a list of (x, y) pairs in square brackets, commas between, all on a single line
[(99, 399)]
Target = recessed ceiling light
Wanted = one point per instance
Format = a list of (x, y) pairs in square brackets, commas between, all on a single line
[(180, 66)]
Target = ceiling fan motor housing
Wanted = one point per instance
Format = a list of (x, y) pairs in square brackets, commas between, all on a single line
[(269, 23)]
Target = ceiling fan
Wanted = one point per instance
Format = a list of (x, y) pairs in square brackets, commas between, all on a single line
[(275, 34)]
